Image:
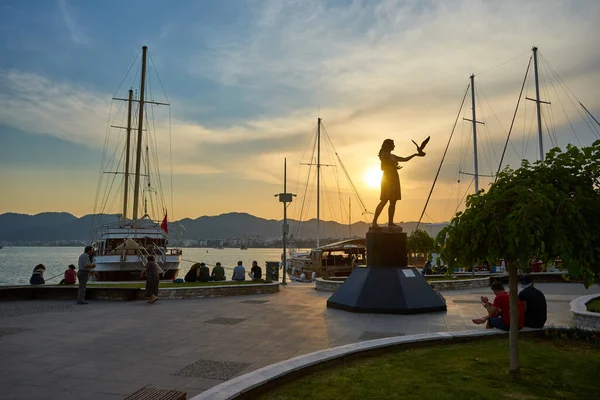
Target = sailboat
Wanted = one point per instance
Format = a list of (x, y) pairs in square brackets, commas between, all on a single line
[(122, 247), (335, 259)]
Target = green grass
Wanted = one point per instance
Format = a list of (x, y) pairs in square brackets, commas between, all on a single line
[(142, 284), (594, 305), (477, 370)]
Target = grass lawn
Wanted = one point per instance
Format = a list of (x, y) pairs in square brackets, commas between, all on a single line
[(142, 284), (478, 370), (594, 305)]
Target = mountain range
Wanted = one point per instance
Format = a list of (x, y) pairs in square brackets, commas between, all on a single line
[(57, 226)]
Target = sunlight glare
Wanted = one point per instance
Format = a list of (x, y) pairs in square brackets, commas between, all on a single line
[(372, 177)]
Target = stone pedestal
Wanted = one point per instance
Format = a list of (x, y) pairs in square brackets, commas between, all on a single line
[(386, 285)]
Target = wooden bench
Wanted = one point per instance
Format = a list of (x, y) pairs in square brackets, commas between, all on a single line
[(149, 393)]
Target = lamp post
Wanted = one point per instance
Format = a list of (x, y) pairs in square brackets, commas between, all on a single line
[(285, 198)]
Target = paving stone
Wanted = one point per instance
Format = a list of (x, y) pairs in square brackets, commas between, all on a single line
[(254, 301), (225, 321), (18, 308), (110, 349), (461, 301), (222, 370), (370, 335), (11, 331)]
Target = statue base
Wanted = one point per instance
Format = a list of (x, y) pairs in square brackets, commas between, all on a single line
[(386, 285), (387, 291)]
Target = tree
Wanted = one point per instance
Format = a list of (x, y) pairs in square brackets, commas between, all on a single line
[(546, 209), (419, 241)]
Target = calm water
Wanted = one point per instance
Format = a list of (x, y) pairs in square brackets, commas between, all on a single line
[(16, 263)]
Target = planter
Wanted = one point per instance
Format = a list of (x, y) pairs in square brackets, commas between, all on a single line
[(585, 319)]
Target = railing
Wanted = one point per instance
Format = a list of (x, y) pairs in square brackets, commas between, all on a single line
[(158, 251)]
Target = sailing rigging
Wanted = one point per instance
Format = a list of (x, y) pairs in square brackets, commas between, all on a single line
[(123, 246), (546, 128)]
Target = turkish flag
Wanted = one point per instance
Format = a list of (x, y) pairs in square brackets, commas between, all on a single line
[(164, 225)]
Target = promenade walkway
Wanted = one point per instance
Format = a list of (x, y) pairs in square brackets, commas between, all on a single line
[(109, 349)]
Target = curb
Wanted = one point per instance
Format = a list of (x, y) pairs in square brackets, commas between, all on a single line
[(245, 383)]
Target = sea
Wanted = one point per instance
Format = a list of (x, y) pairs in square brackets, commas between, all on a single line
[(17, 263)]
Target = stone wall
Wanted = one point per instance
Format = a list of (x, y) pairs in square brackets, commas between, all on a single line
[(325, 285), (114, 292), (460, 284), (584, 318), (216, 291), (331, 286)]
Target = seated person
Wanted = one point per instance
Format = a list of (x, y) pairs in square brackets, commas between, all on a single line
[(37, 277), (70, 276), (192, 274), (499, 312), (534, 303), (255, 272), (239, 272), (203, 273), (218, 273)]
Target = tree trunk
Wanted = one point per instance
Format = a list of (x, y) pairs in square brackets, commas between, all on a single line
[(513, 343)]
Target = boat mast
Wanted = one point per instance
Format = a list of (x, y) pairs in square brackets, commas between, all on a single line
[(318, 181), (138, 154), (126, 188), (349, 217), (537, 103), (474, 121)]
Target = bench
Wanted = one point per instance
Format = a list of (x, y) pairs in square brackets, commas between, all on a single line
[(150, 393)]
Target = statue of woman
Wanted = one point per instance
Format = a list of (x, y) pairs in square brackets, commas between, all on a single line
[(390, 182)]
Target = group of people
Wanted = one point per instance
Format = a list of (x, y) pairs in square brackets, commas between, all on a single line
[(533, 310), (85, 265), (199, 272)]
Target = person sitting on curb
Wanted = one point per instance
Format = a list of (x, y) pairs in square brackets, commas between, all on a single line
[(218, 273), (192, 274), (37, 276), (203, 273), (499, 312), (255, 272), (534, 303), (239, 272), (70, 276)]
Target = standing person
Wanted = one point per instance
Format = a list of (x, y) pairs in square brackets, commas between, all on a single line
[(37, 276), (86, 266), (152, 273), (218, 273), (255, 272), (70, 276), (239, 272), (390, 181), (499, 312), (536, 309), (203, 273)]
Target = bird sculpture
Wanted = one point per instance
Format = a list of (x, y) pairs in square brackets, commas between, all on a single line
[(420, 148)]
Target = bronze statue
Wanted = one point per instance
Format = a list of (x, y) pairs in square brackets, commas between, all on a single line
[(390, 182)]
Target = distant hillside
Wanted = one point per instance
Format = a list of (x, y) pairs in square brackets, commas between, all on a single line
[(48, 227)]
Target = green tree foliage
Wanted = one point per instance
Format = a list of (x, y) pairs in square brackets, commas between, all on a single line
[(549, 209), (419, 241)]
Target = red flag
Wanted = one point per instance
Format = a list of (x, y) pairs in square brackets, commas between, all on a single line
[(164, 225)]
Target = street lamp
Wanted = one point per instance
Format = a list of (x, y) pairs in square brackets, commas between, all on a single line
[(285, 198)]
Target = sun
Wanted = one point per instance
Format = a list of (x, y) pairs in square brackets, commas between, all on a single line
[(372, 177)]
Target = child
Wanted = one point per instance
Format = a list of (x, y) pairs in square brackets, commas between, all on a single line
[(70, 276)]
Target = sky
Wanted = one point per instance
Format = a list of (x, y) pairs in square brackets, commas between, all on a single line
[(246, 81)]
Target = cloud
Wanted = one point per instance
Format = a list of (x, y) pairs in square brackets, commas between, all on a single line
[(75, 32), (372, 70)]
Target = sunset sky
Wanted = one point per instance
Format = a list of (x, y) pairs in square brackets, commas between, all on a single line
[(247, 80)]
